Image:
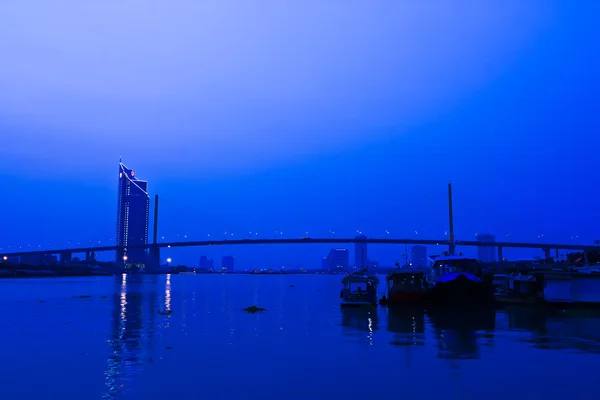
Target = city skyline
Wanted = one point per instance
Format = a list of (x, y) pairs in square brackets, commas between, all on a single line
[(132, 232), (312, 129)]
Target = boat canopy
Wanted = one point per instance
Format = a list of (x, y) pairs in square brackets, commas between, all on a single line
[(453, 276)]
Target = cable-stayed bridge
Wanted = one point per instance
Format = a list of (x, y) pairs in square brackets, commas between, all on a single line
[(449, 241)]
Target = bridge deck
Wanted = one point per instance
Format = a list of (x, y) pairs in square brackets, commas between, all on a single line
[(225, 242)]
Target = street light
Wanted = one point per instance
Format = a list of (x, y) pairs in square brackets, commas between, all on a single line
[(168, 261), (124, 258)]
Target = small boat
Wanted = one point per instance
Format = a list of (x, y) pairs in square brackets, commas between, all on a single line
[(359, 289), (577, 288), (518, 289), (406, 286)]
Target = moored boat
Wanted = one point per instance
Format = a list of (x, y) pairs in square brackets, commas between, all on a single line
[(406, 286), (359, 289), (518, 289), (459, 280), (577, 288)]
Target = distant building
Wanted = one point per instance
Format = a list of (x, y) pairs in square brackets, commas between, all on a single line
[(337, 260), (360, 253), (486, 254), (132, 217), (38, 259), (418, 257), (207, 263), (227, 264)]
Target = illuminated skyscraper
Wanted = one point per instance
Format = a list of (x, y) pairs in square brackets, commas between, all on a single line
[(132, 217)]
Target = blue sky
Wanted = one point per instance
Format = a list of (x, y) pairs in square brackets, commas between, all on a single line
[(300, 117)]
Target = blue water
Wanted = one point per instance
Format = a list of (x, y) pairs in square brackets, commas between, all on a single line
[(116, 344)]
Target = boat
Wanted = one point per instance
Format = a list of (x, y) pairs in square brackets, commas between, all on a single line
[(458, 280), (518, 289), (580, 287), (359, 289), (406, 286)]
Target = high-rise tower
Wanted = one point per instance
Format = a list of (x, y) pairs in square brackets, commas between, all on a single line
[(486, 254), (132, 217), (360, 252)]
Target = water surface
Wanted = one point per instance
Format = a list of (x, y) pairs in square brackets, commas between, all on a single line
[(113, 338)]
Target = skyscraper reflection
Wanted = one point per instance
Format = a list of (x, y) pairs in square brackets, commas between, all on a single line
[(132, 334)]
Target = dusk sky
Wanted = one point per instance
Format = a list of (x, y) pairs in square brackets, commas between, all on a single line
[(306, 116)]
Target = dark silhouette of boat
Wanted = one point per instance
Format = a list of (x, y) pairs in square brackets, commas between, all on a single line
[(458, 280)]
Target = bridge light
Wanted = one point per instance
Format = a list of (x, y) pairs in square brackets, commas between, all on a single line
[(5, 258), (124, 258), (169, 260)]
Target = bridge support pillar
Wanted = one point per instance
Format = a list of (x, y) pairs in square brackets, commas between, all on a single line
[(154, 259), (547, 253), (500, 255), (451, 249)]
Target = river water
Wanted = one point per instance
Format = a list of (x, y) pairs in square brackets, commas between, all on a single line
[(113, 338)]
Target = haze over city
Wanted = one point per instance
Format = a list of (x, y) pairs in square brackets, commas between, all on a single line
[(307, 120)]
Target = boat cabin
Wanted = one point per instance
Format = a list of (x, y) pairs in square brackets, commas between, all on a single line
[(574, 287), (407, 280), (406, 286), (448, 265), (359, 289)]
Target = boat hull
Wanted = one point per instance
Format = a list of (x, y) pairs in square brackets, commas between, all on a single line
[(460, 291), (361, 304), (408, 298)]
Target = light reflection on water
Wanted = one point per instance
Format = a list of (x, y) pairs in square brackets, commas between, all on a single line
[(122, 343)]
